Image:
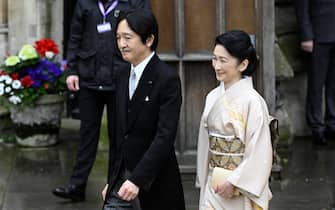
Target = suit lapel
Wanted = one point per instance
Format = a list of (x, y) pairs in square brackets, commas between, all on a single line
[(142, 91)]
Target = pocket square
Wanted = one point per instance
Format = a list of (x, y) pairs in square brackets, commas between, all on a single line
[(147, 98)]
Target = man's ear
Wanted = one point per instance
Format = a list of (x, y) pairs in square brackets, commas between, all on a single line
[(150, 40)]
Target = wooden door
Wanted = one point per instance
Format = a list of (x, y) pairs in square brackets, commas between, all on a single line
[(187, 32)]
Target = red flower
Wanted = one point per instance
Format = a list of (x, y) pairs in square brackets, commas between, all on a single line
[(14, 76), (2, 73), (26, 81), (46, 86), (45, 45)]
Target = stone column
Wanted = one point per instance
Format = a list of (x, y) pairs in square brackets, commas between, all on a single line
[(3, 28)]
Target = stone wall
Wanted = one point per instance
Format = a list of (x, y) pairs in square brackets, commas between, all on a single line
[(291, 71), (3, 28), (30, 20), (3, 41)]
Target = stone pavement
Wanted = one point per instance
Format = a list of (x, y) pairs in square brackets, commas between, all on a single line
[(28, 175)]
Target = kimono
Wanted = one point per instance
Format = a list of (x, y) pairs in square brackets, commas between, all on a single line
[(236, 118)]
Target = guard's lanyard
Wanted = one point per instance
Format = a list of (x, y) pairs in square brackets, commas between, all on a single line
[(105, 13)]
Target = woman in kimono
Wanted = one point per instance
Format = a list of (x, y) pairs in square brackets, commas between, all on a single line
[(234, 131)]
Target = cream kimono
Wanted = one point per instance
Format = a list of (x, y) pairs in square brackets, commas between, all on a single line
[(237, 119)]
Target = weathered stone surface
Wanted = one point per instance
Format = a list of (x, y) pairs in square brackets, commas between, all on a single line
[(38, 126), (282, 66), (290, 47), (293, 94), (286, 134), (47, 110), (3, 42), (41, 140)]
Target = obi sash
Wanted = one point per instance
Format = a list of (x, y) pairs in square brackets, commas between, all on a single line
[(225, 152)]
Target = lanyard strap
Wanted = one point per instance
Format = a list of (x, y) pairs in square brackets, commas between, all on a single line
[(105, 13)]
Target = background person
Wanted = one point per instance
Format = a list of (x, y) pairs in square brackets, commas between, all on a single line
[(316, 19), (92, 61)]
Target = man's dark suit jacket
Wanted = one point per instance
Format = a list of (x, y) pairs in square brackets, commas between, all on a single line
[(316, 20), (144, 135)]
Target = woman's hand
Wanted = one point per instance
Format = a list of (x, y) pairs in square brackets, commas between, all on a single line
[(225, 190), (104, 191)]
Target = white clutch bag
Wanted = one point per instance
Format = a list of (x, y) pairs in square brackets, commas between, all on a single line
[(219, 176)]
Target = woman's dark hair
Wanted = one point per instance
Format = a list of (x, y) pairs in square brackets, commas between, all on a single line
[(238, 44), (143, 23)]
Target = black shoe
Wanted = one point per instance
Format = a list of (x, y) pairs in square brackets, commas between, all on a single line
[(319, 139), (73, 192)]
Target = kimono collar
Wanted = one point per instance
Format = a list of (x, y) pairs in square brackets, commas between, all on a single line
[(242, 84), (221, 88)]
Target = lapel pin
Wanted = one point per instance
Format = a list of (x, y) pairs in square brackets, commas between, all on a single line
[(116, 13), (146, 98), (150, 82)]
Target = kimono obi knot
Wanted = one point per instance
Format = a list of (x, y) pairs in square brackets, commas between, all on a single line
[(225, 152)]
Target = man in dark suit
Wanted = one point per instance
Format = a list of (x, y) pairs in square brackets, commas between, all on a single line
[(93, 59), (317, 23), (143, 171)]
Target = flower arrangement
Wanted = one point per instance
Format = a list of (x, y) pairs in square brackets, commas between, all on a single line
[(34, 72)]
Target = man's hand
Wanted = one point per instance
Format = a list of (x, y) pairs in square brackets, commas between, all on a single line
[(104, 191), (225, 190), (307, 45), (128, 191), (72, 82)]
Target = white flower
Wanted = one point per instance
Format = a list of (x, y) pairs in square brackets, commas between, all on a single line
[(49, 54), (8, 89), (2, 78), (2, 85), (2, 91), (16, 84), (14, 99), (8, 80)]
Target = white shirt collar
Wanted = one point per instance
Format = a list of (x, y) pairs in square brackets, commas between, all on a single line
[(141, 66)]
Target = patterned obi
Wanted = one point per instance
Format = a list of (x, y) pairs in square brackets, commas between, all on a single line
[(225, 152)]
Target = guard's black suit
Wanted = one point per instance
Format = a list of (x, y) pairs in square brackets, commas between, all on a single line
[(94, 58), (317, 22)]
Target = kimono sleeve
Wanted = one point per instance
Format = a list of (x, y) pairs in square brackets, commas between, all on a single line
[(252, 175), (202, 154)]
